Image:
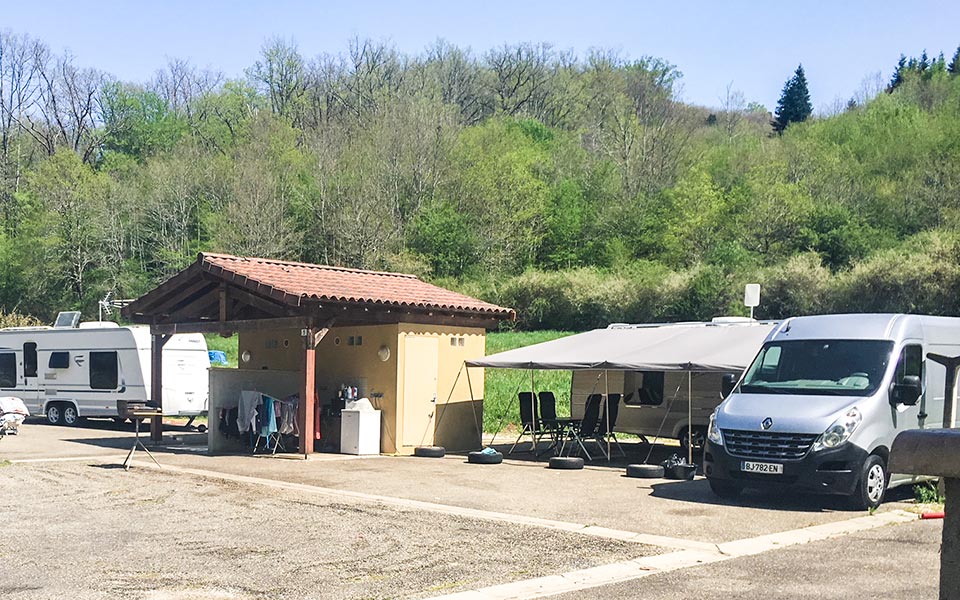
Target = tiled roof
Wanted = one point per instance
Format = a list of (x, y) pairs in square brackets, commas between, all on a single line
[(290, 282)]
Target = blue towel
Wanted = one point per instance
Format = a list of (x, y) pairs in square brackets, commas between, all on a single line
[(269, 415)]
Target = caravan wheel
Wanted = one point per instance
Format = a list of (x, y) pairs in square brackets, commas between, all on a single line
[(699, 437), (54, 414), (70, 416)]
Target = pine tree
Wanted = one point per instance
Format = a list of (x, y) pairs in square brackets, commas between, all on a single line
[(897, 78), (794, 105), (954, 67)]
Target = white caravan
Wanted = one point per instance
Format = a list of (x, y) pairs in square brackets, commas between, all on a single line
[(655, 403), (68, 372), (823, 400)]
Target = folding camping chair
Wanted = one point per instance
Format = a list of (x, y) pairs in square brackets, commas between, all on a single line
[(586, 429), (548, 422), (528, 419), (605, 427)]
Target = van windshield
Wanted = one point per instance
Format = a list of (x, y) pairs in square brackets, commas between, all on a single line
[(818, 367)]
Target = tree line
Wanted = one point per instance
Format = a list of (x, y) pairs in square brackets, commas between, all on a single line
[(576, 188)]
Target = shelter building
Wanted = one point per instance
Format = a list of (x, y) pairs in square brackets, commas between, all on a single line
[(310, 330)]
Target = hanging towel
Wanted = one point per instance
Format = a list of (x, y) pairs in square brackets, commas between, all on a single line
[(269, 416), (247, 413)]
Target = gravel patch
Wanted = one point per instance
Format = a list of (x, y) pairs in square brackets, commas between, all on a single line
[(87, 531)]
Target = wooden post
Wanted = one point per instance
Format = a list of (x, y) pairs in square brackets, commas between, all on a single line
[(156, 384), (307, 408)]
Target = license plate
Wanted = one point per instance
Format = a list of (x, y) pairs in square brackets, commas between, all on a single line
[(758, 467)]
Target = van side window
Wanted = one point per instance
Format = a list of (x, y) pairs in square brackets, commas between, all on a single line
[(770, 363), (910, 363), (8, 370), (30, 359), (59, 360), (103, 370), (650, 389)]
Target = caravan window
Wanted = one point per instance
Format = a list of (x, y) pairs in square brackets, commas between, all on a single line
[(8, 369), (649, 386), (59, 360), (103, 370), (30, 359)]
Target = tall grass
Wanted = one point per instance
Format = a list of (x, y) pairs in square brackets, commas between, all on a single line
[(227, 345), (501, 409)]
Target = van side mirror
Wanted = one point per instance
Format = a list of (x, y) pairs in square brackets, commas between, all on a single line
[(907, 392), (727, 384)]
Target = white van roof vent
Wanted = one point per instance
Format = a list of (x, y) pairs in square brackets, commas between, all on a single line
[(99, 325), (727, 320), (67, 320)]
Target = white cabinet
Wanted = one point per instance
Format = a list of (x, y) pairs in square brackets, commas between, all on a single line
[(360, 431)]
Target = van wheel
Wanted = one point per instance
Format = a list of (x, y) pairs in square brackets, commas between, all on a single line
[(725, 489), (70, 416), (873, 484), (54, 414)]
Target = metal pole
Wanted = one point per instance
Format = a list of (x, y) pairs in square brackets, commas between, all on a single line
[(690, 417), (535, 404), (606, 411)]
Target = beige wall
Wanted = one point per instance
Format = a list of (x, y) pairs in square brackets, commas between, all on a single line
[(339, 362)]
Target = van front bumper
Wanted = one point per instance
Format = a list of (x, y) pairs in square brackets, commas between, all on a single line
[(830, 471)]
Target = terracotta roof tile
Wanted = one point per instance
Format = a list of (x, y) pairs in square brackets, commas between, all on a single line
[(290, 281)]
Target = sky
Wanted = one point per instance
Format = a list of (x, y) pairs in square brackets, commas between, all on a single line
[(752, 47)]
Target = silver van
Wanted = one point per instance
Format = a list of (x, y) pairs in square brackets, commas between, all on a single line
[(820, 405)]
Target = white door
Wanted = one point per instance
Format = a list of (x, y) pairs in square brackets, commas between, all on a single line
[(31, 379), (422, 356)]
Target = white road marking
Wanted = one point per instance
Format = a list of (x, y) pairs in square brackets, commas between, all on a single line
[(100, 458), (583, 579)]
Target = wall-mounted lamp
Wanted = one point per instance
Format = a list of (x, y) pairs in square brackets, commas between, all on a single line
[(384, 353), (245, 357)]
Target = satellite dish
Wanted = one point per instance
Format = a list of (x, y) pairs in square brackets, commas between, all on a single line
[(751, 296)]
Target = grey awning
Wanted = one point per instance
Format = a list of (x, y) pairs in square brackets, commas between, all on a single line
[(702, 347)]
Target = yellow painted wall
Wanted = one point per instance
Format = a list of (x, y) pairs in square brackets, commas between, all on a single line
[(339, 362), (358, 365)]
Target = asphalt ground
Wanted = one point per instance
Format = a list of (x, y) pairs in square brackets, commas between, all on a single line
[(434, 526)]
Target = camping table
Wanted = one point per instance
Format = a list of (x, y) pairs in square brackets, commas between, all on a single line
[(138, 413)]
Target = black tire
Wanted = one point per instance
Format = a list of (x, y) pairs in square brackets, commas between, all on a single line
[(54, 413), (567, 463), (482, 458), (872, 485), (645, 471), (70, 417), (429, 451), (202, 428), (725, 489)]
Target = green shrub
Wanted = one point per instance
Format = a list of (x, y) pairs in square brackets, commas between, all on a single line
[(920, 276), (800, 286)]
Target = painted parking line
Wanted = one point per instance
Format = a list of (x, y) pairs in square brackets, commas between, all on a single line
[(579, 528), (100, 458), (583, 579)]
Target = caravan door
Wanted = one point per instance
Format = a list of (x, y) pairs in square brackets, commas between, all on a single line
[(31, 381)]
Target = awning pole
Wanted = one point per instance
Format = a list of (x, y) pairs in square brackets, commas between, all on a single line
[(473, 404), (606, 411), (689, 417), (536, 413)]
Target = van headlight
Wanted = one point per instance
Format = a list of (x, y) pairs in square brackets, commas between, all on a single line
[(841, 430), (713, 432)]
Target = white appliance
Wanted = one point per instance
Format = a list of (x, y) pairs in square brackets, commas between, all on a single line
[(359, 431)]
